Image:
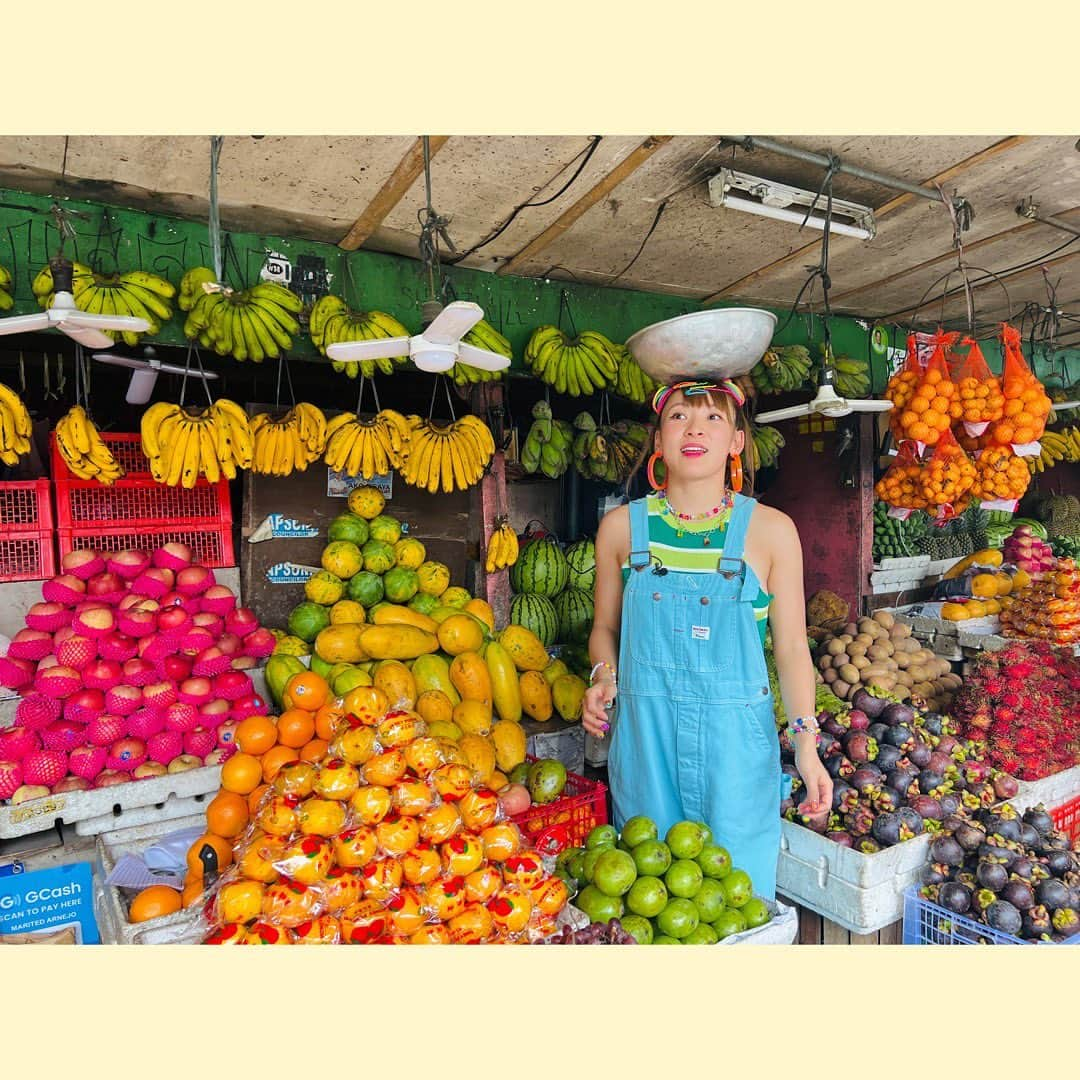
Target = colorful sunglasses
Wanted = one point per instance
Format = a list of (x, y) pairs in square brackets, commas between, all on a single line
[(690, 389)]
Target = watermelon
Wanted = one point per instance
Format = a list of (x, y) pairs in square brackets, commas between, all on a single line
[(581, 560), (541, 569), (535, 613), (574, 610)]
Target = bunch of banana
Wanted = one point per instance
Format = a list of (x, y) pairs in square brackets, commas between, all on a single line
[(15, 426), (6, 299), (136, 292), (502, 550), (183, 444), (630, 381), (369, 447), (782, 369), (453, 456), (548, 444), (81, 447), (248, 324), (332, 321), (852, 376), (484, 336), (608, 452), (574, 366), (1056, 446), (767, 444), (289, 443)]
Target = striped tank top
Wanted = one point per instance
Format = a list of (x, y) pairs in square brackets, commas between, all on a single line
[(686, 553)]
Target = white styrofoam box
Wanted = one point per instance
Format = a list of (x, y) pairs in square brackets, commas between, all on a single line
[(782, 929), (173, 807), (596, 750), (919, 562), (1051, 791), (834, 862), (554, 739)]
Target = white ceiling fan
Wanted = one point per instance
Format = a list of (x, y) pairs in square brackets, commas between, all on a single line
[(437, 348), (827, 402), (81, 326), (144, 373)]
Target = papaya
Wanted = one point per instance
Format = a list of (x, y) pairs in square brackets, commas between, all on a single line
[(505, 693), (434, 706), (525, 648), (958, 568), (471, 678), (480, 755), (554, 670), (535, 695), (461, 633), (1004, 583), (508, 738), (441, 613), (395, 642), (451, 749), (984, 586), (473, 717), (988, 557), (481, 609), (567, 695), (444, 730), (343, 643), (432, 672), (398, 615), (396, 681), (280, 668)]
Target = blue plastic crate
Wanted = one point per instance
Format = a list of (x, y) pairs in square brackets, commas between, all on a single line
[(929, 924)]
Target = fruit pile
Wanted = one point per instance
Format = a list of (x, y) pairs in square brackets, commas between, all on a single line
[(1000, 475), (896, 773), (682, 890), (893, 538), (1048, 608), (132, 665), (547, 445), (332, 321), (15, 426), (453, 456), (81, 447), (1029, 552), (183, 444), (390, 837), (609, 933), (574, 366), (933, 405), (947, 477), (1022, 705), (1012, 872), (1026, 403)]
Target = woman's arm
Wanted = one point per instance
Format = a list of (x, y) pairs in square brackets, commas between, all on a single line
[(612, 548)]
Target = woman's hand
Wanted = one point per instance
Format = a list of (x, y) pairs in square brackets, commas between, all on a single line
[(597, 699), (818, 783)]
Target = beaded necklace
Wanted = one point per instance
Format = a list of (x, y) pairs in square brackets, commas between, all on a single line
[(718, 515)]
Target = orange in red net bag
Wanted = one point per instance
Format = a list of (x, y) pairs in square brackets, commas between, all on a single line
[(901, 486), (948, 476), (934, 405), (900, 388), (1000, 474), (981, 397), (1026, 404)]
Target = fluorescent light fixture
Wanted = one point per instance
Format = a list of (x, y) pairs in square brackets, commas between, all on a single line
[(771, 199)]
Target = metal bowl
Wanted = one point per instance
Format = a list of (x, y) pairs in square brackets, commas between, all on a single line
[(716, 344)]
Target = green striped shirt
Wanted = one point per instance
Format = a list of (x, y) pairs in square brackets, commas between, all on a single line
[(685, 553)]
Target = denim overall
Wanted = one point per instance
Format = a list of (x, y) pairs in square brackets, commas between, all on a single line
[(695, 736)]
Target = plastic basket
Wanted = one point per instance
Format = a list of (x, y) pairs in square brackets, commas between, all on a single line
[(1066, 818), (27, 550), (211, 543), (566, 822), (25, 504), (929, 924)]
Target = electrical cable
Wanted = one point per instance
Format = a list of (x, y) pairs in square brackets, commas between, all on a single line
[(652, 228)]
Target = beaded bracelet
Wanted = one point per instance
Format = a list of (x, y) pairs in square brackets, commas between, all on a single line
[(804, 725), (596, 667)]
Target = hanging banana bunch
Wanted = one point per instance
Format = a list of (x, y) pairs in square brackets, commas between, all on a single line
[(82, 448), (630, 381), (368, 447), (767, 444), (502, 550), (1056, 446), (290, 443), (852, 376), (246, 324), (574, 366), (332, 321), (453, 456), (136, 292), (6, 284), (183, 444), (484, 336), (548, 445), (782, 369), (15, 426), (608, 451)]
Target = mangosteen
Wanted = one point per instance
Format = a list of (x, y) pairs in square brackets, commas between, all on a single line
[(886, 829), (1019, 894), (786, 805), (1006, 828), (840, 789), (865, 779), (937, 761), (945, 849), (860, 821), (919, 755), (991, 875), (966, 877), (902, 779), (833, 727), (796, 779), (930, 781), (838, 766), (867, 845), (974, 772), (1005, 787), (887, 757), (1055, 842), (947, 744), (1037, 922), (1039, 820), (841, 837), (1066, 921), (895, 714), (1060, 863), (933, 723), (859, 747), (983, 899), (858, 720), (1028, 836), (877, 732), (927, 807), (885, 799), (997, 852), (900, 736), (955, 897), (935, 873), (953, 821), (1003, 917), (866, 703), (910, 820), (950, 803), (1052, 894), (1023, 869), (930, 892)]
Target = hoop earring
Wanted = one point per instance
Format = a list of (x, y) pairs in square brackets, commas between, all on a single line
[(735, 479), (651, 473)]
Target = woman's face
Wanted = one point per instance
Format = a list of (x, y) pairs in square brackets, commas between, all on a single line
[(697, 435)]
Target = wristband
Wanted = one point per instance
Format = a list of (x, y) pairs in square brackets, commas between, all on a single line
[(596, 667), (804, 725)]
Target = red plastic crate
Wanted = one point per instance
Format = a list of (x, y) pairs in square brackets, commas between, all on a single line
[(1067, 818), (125, 447), (27, 546), (25, 504), (566, 822), (212, 544)]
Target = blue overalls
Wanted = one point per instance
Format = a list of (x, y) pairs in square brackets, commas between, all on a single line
[(694, 736)]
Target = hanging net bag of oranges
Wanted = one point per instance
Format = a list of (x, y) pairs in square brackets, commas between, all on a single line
[(948, 477), (1000, 477), (934, 405), (900, 388), (901, 486), (1026, 404), (981, 398)]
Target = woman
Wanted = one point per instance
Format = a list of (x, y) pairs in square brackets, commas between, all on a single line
[(685, 582)]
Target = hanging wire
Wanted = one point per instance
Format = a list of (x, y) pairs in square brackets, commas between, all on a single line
[(652, 228), (433, 228), (564, 309), (215, 217), (193, 353), (364, 380)]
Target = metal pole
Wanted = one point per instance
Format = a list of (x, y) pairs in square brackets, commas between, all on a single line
[(754, 142), (1030, 211)]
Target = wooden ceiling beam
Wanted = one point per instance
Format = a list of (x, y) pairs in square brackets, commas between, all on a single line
[(629, 165), (1001, 146), (408, 169)]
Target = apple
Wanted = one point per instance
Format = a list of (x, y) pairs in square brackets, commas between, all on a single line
[(259, 643), (214, 712), (249, 705), (193, 580), (128, 563), (195, 691), (208, 621), (83, 564), (184, 762), (148, 769), (102, 674), (218, 599), (231, 685), (28, 792), (97, 622), (220, 755), (244, 663), (138, 672), (241, 621), (110, 778), (106, 584), (71, 783), (173, 619), (176, 667), (173, 555), (196, 640), (229, 644)]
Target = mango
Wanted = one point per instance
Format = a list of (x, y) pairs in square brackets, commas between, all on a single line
[(536, 695), (525, 648), (509, 740), (432, 672), (342, 644), (395, 642), (505, 693), (471, 678), (567, 695)]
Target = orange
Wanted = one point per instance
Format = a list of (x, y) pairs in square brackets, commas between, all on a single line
[(367, 703), (370, 804), (241, 774), (256, 796), (321, 817), (412, 797), (327, 719), (399, 728), (405, 907), (154, 902), (307, 860), (193, 891), (314, 751), (273, 760), (510, 909), (256, 735), (255, 864), (295, 727), (423, 755), (337, 779), (239, 901), (356, 848), (278, 816), (440, 823), (354, 744), (296, 778), (305, 690), (321, 931), (397, 835), (222, 848), (227, 814), (472, 927), (422, 864), (550, 895), (386, 768), (290, 903), (500, 841), (341, 890)]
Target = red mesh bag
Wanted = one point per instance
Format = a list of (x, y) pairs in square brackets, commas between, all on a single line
[(947, 477), (1026, 405), (934, 406), (978, 389), (902, 486)]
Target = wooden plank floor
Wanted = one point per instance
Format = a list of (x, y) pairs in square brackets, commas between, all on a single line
[(815, 930)]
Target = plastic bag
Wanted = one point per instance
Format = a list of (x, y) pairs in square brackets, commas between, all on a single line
[(979, 391), (947, 477), (1026, 404), (901, 486), (934, 406)]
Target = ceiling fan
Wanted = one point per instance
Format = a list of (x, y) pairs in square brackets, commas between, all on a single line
[(437, 348), (144, 373), (81, 326), (827, 402)]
